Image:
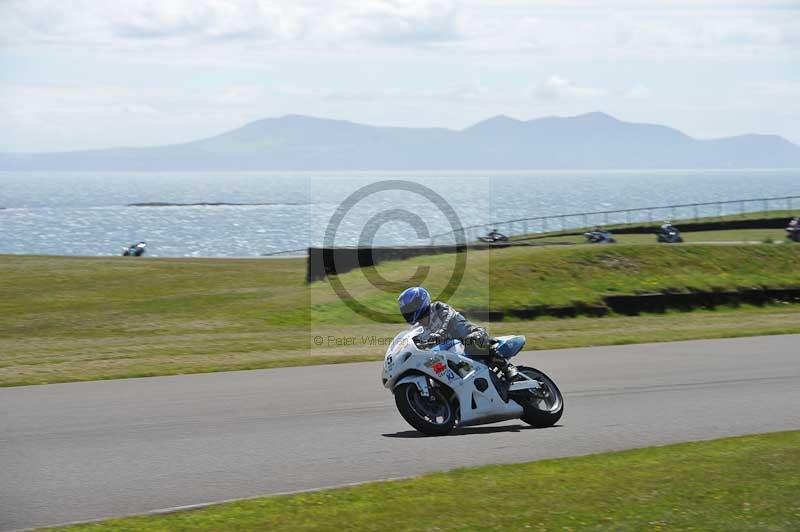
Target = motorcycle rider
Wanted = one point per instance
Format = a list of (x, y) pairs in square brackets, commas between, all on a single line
[(441, 323), (794, 228)]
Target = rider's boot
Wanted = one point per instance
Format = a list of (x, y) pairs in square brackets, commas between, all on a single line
[(509, 370)]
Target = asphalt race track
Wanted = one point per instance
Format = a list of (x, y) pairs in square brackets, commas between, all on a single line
[(71, 452)]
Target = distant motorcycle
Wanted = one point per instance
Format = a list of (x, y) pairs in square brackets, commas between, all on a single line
[(599, 237), (793, 231), (494, 236), (669, 236), (438, 387), (135, 250)]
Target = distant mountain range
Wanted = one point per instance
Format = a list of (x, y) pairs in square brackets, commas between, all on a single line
[(293, 142)]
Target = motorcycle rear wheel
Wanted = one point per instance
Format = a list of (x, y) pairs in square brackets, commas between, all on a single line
[(432, 416), (541, 408)]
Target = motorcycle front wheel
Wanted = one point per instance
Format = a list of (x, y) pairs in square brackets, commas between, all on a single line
[(542, 407), (434, 415)]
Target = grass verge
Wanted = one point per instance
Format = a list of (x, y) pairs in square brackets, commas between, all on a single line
[(68, 319), (743, 483)]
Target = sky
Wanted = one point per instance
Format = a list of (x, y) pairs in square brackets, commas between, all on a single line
[(79, 74)]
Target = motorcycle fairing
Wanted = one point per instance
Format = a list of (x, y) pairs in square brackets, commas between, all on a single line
[(405, 363), (420, 381), (448, 344), (509, 346)]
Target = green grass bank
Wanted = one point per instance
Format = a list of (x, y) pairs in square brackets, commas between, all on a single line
[(70, 318), (522, 276)]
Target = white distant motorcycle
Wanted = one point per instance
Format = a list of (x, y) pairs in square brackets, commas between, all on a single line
[(437, 387)]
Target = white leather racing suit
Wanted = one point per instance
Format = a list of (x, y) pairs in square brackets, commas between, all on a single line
[(449, 324)]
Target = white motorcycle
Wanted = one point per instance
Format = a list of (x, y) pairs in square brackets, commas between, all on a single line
[(438, 387)]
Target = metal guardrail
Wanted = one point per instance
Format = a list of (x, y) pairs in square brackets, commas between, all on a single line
[(643, 215), (300, 252), (580, 220)]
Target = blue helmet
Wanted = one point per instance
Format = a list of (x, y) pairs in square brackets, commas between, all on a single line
[(414, 303)]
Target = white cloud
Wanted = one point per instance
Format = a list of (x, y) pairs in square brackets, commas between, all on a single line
[(717, 28), (638, 92), (777, 88), (393, 21), (58, 117), (302, 23), (661, 5), (241, 95), (476, 94), (557, 88), (206, 65)]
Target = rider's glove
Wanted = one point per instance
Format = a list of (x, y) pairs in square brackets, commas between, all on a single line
[(435, 338), (477, 338)]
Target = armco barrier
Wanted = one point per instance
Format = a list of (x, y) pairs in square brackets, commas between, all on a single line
[(331, 261), (720, 225), (684, 226), (576, 222), (634, 304)]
